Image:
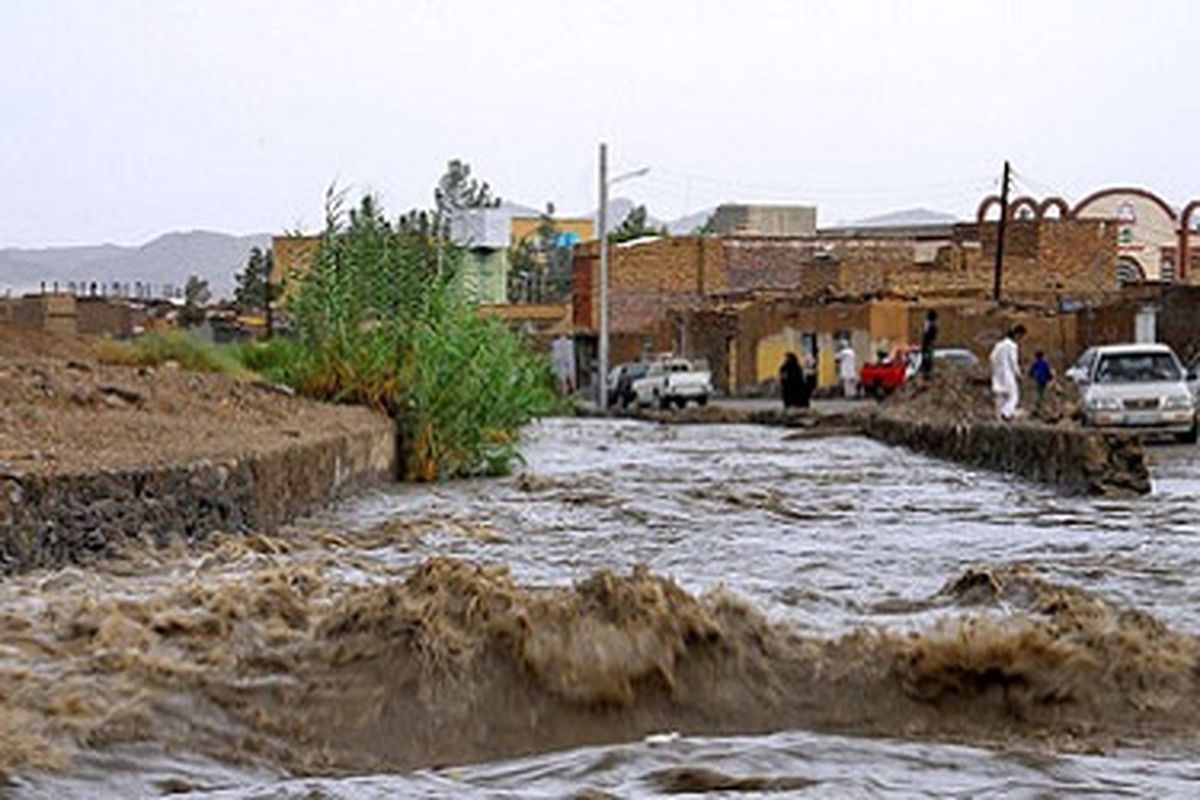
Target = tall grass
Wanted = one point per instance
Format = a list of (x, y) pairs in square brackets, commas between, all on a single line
[(185, 349), (381, 320)]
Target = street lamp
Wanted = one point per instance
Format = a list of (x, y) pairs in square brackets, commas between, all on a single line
[(605, 182)]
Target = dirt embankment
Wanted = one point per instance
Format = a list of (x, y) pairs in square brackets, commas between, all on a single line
[(91, 454), (61, 411)]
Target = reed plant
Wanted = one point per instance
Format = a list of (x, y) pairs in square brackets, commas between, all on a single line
[(381, 319)]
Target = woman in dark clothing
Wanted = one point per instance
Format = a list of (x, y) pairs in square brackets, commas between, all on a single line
[(792, 384)]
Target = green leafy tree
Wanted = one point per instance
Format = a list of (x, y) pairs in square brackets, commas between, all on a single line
[(254, 282), (457, 190), (540, 266), (196, 296)]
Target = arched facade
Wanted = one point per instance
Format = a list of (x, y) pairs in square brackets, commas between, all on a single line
[(1064, 210), (986, 206), (1129, 271), (1187, 224), (1024, 208), (1147, 233)]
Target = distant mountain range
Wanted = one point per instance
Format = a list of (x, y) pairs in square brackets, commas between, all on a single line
[(906, 218), (217, 257), (169, 259)]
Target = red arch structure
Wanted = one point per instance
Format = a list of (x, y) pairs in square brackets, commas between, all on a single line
[(1185, 230), (1151, 196), (1064, 210), (1015, 207), (985, 206)]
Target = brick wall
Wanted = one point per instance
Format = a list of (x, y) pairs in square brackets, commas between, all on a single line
[(99, 317), (645, 280), (1074, 258)]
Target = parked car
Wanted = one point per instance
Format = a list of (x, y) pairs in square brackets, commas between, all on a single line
[(620, 382), (890, 372), (1140, 386), (672, 380), (1193, 379), (959, 357)]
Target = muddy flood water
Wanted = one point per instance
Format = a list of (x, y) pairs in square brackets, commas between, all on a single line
[(643, 611)]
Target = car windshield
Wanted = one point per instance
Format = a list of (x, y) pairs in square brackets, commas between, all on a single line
[(1137, 368)]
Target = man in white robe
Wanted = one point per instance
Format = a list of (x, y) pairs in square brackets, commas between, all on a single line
[(1006, 372), (848, 370)]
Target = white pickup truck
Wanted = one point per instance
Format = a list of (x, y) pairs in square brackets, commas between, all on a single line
[(673, 380)]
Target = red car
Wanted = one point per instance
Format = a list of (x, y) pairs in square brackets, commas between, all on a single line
[(886, 376)]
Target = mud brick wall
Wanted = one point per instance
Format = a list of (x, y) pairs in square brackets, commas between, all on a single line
[(758, 264), (957, 271), (646, 279), (1074, 459), (811, 267), (102, 317), (1074, 258), (49, 520)]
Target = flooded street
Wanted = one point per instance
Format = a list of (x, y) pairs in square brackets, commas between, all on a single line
[(797, 627)]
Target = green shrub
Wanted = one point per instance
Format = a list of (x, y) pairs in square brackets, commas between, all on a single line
[(381, 320)]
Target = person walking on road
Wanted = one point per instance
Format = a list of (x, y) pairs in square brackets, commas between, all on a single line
[(1006, 369), (1042, 375), (847, 363), (928, 340), (792, 383)]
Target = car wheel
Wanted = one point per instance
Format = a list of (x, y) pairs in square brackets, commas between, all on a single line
[(1190, 437), (664, 403), (681, 402), (702, 400)]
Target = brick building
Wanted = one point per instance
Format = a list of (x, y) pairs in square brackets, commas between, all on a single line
[(1155, 241), (742, 302)]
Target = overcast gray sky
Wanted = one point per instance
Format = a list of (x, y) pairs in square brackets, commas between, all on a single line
[(124, 120)]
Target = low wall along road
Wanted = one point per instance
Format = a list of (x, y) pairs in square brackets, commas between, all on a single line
[(47, 520), (1076, 459)]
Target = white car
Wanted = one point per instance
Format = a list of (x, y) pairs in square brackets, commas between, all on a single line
[(959, 357), (673, 380), (1138, 386)]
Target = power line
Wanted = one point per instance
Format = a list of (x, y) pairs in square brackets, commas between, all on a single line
[(861, 191)]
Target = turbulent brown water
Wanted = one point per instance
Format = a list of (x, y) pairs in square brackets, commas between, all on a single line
[(646, 610)]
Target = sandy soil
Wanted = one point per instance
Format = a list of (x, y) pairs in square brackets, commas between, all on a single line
[(61, 411)]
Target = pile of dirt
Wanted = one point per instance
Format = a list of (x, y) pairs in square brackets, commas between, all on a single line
[(957, 395), (61, 411)]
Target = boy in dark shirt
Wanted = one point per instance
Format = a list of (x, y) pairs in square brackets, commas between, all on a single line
[(1042, 374)]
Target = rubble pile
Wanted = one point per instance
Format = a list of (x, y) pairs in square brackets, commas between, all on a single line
[(957, 395)]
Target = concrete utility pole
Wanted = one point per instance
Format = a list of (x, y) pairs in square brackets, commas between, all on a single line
[(1000, 234), (602, 383)]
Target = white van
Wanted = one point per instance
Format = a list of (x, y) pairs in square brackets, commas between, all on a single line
[(1138, 386)]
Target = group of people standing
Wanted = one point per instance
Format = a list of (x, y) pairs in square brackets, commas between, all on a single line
[(798, 383)]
